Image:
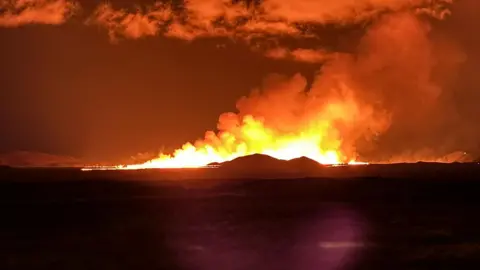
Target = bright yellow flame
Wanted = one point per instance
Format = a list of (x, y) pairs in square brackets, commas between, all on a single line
[(252, 137)]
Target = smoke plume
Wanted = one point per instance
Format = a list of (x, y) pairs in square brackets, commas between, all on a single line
[(355, 98), (390, 94), (397, 67), (386, 93), (14, 13)]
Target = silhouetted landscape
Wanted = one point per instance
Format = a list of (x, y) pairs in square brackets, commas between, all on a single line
[(404, 216), (92, 91)]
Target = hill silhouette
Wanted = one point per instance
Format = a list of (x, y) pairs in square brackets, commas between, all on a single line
[(254, 162), (305, 164), (37, 159), (265, 165)]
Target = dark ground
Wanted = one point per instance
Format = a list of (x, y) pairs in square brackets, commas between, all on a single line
[(418, 216)]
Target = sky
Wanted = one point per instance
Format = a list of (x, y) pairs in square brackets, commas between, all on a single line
[(86, 80)]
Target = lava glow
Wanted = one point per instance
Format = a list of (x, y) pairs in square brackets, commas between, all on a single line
[(348, 104), (252, 137), (283, 121)]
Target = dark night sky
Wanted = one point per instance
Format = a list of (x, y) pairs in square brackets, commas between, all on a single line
[(67, 90)]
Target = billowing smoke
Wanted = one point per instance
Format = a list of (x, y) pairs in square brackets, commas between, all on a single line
[(14, 13), (389, 86), (385, 97), (401, 68), (405, 67), (390, 95)]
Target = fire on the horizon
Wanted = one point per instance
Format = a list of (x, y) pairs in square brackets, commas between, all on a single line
[(354, 98), (346, 104), (318, 140)]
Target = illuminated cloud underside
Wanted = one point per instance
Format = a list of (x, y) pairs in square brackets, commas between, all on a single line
[(202, 18), (22, 12), (284, 118)]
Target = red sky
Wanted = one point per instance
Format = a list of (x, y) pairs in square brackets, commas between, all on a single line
[(67, 89)]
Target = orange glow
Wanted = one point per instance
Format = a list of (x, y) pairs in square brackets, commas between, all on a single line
[(282, 120), (317, 139)]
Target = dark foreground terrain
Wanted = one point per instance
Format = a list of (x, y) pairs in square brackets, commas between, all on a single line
[(419, 216)]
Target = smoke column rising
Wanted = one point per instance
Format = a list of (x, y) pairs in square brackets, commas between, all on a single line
[(387, 86), (387, 96)]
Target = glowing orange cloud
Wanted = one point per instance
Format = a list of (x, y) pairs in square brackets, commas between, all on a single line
[(201, 18), (21, 12), (284, 121), (353, 100), (131, 24), (344, 11), (301, 54)]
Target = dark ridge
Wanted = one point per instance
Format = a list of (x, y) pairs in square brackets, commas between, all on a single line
[(266, 166), (254, 162), (37, 159), (214, 164), (305, 163), (5, 167)]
